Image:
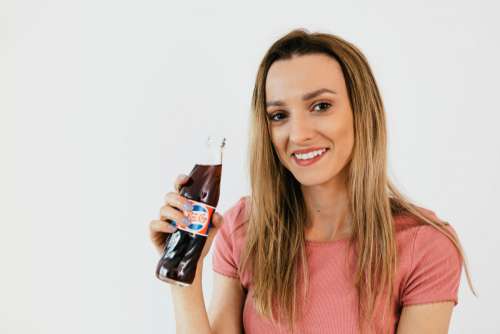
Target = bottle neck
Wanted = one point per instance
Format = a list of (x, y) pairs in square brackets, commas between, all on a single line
[(211, 157), (212, 152)]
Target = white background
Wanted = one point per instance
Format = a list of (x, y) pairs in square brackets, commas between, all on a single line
[(104, 102)]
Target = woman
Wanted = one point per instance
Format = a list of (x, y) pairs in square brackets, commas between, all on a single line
[(325, 243)]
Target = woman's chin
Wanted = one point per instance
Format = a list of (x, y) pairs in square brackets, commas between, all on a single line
[(311, 180)]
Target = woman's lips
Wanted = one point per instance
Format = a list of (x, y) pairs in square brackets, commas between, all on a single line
[(308, 162)]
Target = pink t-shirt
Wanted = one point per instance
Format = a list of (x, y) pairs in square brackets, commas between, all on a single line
[(429, 270)]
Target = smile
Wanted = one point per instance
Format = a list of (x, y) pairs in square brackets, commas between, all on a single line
[(309, 158)]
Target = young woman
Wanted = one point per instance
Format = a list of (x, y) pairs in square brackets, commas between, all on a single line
[(325, 243)]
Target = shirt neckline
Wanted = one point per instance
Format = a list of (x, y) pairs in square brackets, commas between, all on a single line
[(327, 243)]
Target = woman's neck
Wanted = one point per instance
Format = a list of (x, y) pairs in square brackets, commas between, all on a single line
[(328, 210)]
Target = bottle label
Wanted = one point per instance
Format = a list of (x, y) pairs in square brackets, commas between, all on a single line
[(198, 219)]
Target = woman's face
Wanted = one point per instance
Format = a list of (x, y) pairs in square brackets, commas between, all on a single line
[(309, 110)]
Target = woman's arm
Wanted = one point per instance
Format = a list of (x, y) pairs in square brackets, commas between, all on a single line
[(189, 306), (425, 318), (225, 307)]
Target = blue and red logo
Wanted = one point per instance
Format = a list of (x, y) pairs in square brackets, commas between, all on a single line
[(199, 218)]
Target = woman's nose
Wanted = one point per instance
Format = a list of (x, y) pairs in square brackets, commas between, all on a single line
[(301, 129)]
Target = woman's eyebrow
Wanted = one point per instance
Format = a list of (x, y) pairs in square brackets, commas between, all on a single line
[(306, 97)]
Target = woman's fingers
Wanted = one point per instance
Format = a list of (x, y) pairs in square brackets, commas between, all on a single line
[(171, 214), (179, 181), (158, 232), (167, 212), (175, 200), (161, 226)]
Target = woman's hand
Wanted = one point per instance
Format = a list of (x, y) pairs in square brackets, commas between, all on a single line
[(173, 209)]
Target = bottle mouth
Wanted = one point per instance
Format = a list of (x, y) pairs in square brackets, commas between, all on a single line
[(214, 139)]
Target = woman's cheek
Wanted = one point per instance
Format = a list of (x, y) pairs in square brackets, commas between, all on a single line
[(279, 144)]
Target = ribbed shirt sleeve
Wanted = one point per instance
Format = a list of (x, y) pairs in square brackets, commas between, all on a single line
[(435, 270), (224, 260)]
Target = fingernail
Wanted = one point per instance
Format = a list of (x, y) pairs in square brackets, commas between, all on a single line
[(172, 222), (187, 206)]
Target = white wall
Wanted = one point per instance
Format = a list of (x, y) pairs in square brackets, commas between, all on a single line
[(104, 102)]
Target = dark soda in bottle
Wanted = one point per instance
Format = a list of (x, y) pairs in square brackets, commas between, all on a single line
[(184, 246)]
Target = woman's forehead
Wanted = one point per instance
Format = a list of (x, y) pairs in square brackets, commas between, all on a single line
[(292, 78)]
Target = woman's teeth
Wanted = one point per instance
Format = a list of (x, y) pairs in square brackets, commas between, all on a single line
[(309, 155)]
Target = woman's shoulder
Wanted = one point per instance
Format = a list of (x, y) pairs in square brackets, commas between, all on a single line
[(405, 223), (430, 263), (422, 243), (416, 238)]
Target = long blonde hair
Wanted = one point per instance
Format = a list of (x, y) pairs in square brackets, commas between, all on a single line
[(274, 252)]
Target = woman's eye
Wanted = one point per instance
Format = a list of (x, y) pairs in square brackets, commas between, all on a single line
[(273, 116), (278, 116), (322, 104)]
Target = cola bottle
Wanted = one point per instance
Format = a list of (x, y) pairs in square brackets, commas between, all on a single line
[(183, 247)]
